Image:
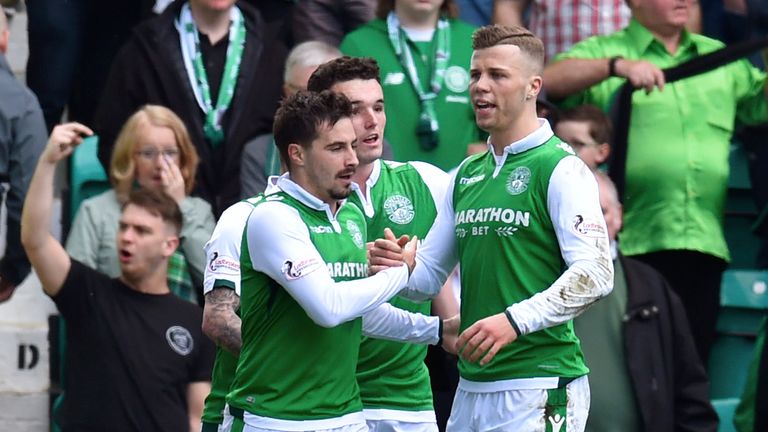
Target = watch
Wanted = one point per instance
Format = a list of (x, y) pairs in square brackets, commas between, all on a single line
[(612, 65)]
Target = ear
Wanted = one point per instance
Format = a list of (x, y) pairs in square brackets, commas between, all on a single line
[(170, 245), (296, 154), (603, 151), (534, 87)]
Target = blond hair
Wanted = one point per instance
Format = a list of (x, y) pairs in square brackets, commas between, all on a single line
[(122, 169)]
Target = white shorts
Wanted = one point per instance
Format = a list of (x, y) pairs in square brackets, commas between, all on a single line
[(556, 410), (399, 426), (239, 426)]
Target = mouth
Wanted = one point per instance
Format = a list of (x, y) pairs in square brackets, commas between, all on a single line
[(124, 255), (483, 106), (346, 175), (371, 139)]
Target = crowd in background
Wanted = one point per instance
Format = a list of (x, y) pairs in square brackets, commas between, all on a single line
[(182, 96)]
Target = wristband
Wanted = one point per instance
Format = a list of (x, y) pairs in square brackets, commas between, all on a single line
[(612, 65)]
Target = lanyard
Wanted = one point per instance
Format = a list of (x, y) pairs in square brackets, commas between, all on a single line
[(193, 62), (427, 126)]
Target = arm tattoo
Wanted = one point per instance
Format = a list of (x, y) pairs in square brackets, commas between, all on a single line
[(220, 320)]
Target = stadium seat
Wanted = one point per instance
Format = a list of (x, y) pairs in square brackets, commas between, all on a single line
[(741, 212), (725, 409), (86, 175), (744, 302)]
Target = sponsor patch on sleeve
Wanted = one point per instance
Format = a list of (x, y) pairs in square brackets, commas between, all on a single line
[(297, 269), (587, 226), (224, 264)]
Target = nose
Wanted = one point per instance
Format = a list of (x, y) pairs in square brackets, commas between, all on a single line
[(480, 84), (351, 160), (370, 118)]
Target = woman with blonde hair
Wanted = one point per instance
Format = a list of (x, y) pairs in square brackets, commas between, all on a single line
[(153, 151)]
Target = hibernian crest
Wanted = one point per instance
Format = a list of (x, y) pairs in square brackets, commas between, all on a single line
[(357, 235), (517, 182), (399, 209)]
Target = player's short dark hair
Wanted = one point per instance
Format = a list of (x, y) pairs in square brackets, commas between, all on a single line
[(343, 69), (493, 35), (157, 203), (600, 128), (300, 117)]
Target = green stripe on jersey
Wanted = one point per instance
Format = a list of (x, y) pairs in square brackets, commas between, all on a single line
[(509, 252), (291, 368), (392, 375)]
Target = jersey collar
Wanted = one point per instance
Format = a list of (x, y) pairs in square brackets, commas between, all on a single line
[(534, 139)]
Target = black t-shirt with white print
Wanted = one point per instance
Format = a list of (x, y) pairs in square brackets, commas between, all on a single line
[(129, 355)]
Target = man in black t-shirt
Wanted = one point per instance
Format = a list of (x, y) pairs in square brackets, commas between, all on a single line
[(136, 357)]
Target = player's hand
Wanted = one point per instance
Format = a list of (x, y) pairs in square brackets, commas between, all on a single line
[(6, 290), (483, 339), (451, 333), (172, 180), (63, 140), (387, 252), (641, 74)]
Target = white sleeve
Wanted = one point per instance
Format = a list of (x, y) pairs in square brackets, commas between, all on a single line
[(574, 207), (437, 255), (436, 180), (286, 254), (222, 252), (399, 325)]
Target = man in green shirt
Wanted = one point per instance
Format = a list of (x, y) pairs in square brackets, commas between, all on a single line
[(679, 140), (524, 221), (423, 52), (404, 197)]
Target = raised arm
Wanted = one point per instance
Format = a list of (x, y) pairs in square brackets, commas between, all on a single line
[(47, 255)]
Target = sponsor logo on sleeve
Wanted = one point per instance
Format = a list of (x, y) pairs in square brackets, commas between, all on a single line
[(517, 182), (180, 340), (297, 269), (224, 264), (587, 227)]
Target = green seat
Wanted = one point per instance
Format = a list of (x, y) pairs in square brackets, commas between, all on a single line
[(744, 303), (86, 175), (725, 409), (740, 214)]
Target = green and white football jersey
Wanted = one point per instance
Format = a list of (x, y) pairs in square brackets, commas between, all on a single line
[(404, 198), (223, 270), (302, 296), (527, 229)]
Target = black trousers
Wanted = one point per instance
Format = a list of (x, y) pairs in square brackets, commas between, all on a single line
[(696, 278)]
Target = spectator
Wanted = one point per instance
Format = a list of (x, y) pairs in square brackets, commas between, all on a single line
[(330, 20), (22, 139), (260, 158), (153, 151), (423, 53), (645, 372), (560, 24), (135, 353), (71, 46), (588, 131), (476, 12), (750, 415), (679, 139), (217, 66)]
